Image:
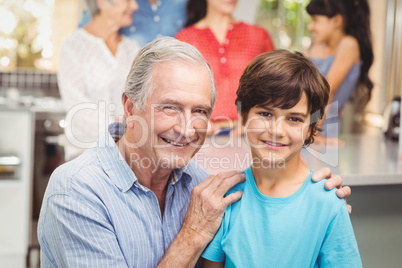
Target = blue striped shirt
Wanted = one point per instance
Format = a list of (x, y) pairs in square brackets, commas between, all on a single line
[(96, 214)]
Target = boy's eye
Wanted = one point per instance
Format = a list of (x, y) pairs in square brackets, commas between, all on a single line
[(295, 119), (265, 114)]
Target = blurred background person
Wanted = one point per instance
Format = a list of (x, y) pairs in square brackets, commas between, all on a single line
[(153, 19), (228, 46), (342, 51), (94, 63)]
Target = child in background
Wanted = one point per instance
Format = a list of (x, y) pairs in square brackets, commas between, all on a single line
[(342, 51), (283, 219)]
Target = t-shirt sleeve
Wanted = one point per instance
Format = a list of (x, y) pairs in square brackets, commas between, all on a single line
[(214, 251), (339, 248)]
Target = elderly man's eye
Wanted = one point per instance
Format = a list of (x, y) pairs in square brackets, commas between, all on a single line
[(201, 111), (170, 109)]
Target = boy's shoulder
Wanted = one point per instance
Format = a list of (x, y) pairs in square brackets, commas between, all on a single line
[(327, 199), (237, 187), (241, 186)]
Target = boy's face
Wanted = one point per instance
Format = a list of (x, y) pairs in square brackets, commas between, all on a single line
[(277, 135)]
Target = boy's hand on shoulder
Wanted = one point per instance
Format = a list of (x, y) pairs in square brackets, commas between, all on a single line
[(332, 182)]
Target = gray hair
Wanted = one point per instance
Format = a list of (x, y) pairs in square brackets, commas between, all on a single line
[(139, 85), (93, 8)]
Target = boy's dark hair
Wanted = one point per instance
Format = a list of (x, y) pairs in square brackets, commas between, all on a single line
[(280, 78)]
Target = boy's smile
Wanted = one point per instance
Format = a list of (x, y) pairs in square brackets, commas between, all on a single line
[(277, 135)]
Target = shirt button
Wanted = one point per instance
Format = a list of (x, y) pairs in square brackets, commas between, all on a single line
[(226, 41), (230, 27), (157, 18), (223, 60), (221, 50), (132, 29)]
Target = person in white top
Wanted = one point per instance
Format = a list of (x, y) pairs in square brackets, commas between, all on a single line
[(94, 63)]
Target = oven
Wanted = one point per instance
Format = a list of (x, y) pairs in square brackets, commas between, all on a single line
[(48, 154)]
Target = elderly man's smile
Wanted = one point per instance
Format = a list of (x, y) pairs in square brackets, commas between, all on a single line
[(179, 144)]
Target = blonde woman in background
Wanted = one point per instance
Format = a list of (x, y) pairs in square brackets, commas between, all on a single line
[(94, 63)]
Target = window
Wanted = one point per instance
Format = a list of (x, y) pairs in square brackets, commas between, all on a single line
[(287, 22)]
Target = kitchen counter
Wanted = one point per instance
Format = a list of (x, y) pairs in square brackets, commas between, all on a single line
[(364, 160)]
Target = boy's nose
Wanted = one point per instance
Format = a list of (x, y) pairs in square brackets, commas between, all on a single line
[(277, 127)]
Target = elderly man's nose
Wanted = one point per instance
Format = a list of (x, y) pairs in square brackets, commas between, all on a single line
[(185, 125)]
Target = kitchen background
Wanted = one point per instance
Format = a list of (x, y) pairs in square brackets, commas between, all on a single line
[(32, 118)]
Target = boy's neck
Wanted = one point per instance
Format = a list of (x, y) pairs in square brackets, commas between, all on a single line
[(280, 180)]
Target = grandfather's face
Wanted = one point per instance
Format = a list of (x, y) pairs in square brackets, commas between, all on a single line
[(173, 126)]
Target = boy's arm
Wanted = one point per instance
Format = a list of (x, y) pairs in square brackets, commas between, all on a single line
[(211, 264), (332, 182)]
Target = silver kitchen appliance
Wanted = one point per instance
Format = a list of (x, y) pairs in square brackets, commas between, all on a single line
[(392, 119)]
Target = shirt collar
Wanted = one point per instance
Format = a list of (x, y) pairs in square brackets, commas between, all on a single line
[(119, 172), (114, 164), (179, 174)]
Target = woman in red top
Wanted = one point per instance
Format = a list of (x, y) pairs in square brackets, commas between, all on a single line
[(228, 46)]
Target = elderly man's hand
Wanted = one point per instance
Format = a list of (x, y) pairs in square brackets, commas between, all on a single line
[(208, 204), (332, 182)]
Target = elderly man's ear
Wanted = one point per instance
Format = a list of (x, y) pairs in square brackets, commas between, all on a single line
[(128, 106)]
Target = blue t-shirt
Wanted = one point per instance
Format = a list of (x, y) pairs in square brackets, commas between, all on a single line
[(165, 18), (310, 228)]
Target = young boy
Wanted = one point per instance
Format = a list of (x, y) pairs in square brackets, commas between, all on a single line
[(283, 219)]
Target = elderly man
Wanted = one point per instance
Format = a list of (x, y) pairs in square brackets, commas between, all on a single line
[(142, 202)]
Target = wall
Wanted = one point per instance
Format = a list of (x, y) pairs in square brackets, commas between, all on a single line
[(65, 20), (378, 22)]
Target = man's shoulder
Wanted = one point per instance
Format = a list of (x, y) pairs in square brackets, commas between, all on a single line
[(196, 172), (83, 171)]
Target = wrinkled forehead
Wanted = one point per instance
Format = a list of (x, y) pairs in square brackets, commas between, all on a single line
[(181, 81), (180, 74)]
